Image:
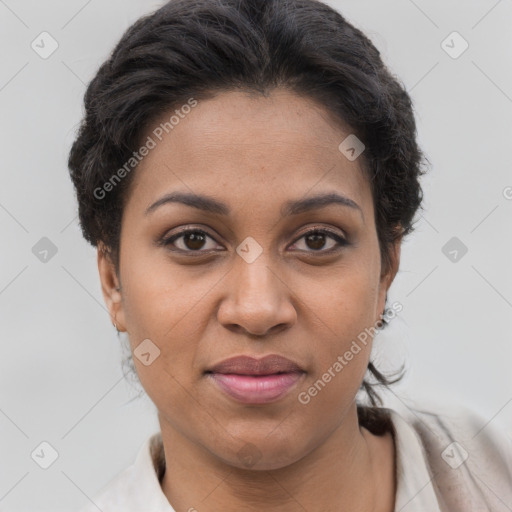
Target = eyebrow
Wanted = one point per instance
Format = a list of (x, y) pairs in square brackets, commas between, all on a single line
[(293, 207)]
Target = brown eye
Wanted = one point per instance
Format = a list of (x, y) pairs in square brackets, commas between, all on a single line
[(191, 240), (194, 240), (316, 240)]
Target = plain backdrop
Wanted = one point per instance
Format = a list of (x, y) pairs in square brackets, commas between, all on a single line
[(61, 380)]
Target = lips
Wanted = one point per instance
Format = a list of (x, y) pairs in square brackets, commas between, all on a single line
[(256, 381), (245, 365)]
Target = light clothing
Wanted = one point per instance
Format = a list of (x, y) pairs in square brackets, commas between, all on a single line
[(455, 463)]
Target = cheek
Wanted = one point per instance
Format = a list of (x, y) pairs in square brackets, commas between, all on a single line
[(168, 306), (342, 345), (340, 316), (172, 323), (345, 303), (159, 295)]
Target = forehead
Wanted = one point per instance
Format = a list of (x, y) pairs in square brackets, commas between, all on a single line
[(243, 147)]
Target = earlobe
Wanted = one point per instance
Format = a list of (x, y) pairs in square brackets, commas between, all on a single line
[(110, 287), (388, 277), (395, 259), (394, 253)]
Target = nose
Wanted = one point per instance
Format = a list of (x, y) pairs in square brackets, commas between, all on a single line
[(258, 301)]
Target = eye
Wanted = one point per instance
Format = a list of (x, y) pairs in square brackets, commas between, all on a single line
[(196, 240), (189, 240), (316, 239)]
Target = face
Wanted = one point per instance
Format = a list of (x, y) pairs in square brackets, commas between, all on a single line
[(253, 276)]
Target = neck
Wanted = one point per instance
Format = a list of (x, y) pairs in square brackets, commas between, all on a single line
[(350, 470)]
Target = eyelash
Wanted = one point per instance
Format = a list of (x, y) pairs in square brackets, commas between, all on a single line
[(342, 242)]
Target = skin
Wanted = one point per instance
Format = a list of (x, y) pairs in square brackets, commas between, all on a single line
[(254, 153)]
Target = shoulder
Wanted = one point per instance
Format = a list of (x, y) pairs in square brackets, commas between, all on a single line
[(137, 487), (114, 494), (469, 436), (469, 457)]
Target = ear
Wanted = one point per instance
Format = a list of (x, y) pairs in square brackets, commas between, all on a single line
[(386, 278), (111, 287)]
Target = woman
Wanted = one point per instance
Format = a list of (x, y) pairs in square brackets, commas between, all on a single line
[(247, 170)]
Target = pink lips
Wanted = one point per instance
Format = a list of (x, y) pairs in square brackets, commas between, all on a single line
[(256, 381)]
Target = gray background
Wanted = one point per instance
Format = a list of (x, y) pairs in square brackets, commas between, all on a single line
[(60, 373)]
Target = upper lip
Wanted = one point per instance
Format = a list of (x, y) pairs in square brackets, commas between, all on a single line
[(246, 365)]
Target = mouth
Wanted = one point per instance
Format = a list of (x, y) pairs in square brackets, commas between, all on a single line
[(256, 381)]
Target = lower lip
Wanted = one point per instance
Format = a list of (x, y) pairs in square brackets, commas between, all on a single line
[(256, 389)]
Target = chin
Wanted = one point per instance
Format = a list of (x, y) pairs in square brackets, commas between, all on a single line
[(258, 453)]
